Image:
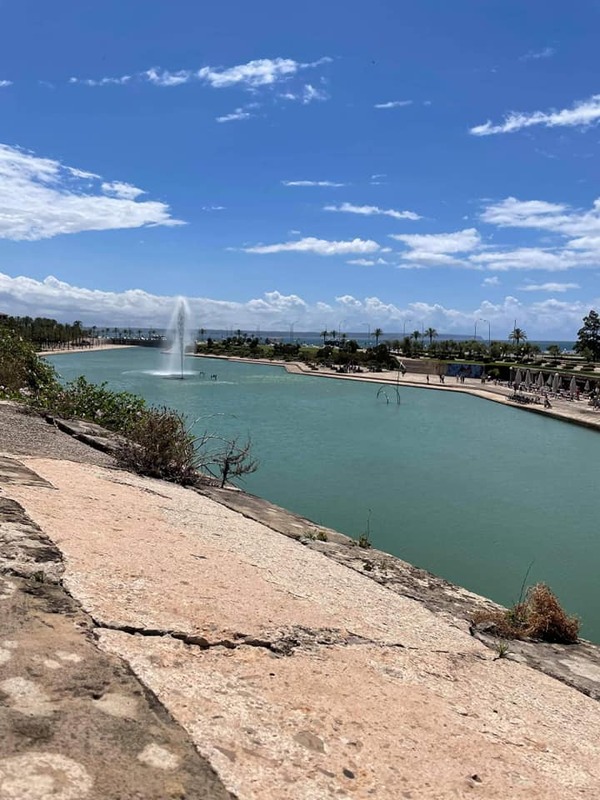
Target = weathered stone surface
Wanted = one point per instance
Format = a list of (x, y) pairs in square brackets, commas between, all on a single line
[(75, 723), (89, 433), (199, 601)]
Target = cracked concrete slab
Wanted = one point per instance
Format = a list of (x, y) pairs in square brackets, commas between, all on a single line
[(375, 695)]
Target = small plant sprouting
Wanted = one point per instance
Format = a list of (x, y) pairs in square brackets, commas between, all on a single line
[(364, 540), (502, 650), (322, 536)]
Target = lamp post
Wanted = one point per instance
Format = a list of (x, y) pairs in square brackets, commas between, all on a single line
[(340, 328), (404, 326)]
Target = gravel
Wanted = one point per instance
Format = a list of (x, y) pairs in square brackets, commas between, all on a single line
[(27, 434)]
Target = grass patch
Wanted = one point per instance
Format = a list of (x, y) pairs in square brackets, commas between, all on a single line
[(538, 616)]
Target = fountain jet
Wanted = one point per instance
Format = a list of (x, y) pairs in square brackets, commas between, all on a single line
[(179, 337)]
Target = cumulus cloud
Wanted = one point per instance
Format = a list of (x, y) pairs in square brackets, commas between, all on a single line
[(493, 281), (394, 104), (41, 198), (328, 184), (321, 247), (549, 287), (4, 84), (136, 307), (582, 114), (373, 210)]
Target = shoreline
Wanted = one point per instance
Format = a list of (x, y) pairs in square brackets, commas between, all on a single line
[(572, 411), (93, 348)]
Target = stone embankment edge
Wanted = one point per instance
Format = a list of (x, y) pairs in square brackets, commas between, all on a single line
[(298, 368), (576, 665)]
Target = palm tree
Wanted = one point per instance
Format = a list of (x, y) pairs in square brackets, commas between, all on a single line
[(431, 334), (324, 334), (517, 336), (377, 333), (416, 335)]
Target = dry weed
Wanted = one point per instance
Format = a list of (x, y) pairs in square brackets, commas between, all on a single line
[(539, 616)]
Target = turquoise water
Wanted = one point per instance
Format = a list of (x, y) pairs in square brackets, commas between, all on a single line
[(468, 489)]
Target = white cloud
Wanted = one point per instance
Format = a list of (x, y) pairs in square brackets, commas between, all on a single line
[(4, 84), (394, 104), (321, 247), (238, 114), (514, 213), (535, 55), (367, 262), (525, 258), (582, 114), (313, 183), (458, 242), (213, 208), (493, 281), (136, 307), (165, 78), (120, 81), (261, 72), (373, 210), (258, 73), (548, 287), (119, 189), (537, 214), (439, 249), (41, 198), (310, 93)]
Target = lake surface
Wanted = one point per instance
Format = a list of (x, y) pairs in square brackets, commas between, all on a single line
[(466, 488)]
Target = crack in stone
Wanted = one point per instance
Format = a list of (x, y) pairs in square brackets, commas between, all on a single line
[(282, 644)]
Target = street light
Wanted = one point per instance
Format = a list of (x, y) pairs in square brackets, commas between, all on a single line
[(368, 331), (404, 326)]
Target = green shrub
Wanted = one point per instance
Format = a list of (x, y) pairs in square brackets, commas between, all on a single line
[(117, 411), (22, 371), (159, 445)]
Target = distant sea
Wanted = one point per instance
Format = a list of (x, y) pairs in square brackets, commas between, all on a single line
[(313, 337)]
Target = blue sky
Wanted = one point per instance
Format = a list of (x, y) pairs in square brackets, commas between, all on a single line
[(323, 164)]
